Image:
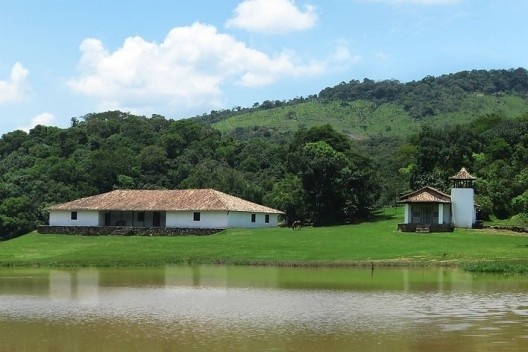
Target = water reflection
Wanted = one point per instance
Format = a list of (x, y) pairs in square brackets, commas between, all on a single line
[(84, 284), (180, 308)]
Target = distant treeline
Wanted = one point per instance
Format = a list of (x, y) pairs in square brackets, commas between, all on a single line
[(219, 115), (431, 95)]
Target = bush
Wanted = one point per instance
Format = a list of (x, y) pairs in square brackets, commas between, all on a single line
[(520, 219)]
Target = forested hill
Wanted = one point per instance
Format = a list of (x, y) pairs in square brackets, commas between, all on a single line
[(386, 108), (433, 96), (316, 173), (304, 175)]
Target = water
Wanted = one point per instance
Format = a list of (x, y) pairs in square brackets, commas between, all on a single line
[(218, 308)]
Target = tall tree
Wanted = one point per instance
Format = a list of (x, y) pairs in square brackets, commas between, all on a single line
[(337, 184)]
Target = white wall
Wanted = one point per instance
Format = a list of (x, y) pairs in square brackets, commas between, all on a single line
[(220, 220), (463, 207), (208, 220), (243, 220), (84, 218)]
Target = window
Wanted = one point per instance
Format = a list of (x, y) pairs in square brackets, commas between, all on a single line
[(253, 217), (266, 218), (73, 215), (196, 216), (141, 216)]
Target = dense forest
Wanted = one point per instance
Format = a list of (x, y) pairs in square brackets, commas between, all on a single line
[(430, 96), (318, 174), (305, 174)]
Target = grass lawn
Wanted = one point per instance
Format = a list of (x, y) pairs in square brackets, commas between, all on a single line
[(377, 242)]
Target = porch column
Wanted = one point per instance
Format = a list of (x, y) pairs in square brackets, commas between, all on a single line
[(440, 213), (406, 212)]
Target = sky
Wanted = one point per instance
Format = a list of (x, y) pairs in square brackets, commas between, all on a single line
[(181, 58)]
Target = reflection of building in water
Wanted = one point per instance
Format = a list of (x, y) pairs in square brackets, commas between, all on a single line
[(440, 280), (406, 280), (221, 276), (196, 275), (81, 285), (60, 285)]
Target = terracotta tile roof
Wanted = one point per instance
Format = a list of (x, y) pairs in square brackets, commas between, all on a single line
[(164, 200), (425, 195), (463, 174)]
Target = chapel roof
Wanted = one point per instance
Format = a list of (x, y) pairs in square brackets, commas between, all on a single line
[(426, 194), (164, 200), (463, 174)]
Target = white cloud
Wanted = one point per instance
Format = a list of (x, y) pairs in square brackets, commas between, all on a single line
[(15, 88), (44, 119), (272, 16), (187, 70), (343, 55)]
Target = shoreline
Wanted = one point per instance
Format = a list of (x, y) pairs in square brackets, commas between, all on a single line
[(490, 266), (366, 245)]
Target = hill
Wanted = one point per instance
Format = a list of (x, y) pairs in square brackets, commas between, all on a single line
[(405, 135), (386, 108)]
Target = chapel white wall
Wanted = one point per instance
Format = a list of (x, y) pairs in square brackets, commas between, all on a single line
[(463, 207)]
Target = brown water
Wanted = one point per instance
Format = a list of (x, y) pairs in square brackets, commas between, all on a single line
[(218, 308)]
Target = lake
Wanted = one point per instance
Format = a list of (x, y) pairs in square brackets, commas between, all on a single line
[(233, 308)]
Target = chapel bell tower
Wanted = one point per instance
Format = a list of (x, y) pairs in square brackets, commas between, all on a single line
[(463, 199)]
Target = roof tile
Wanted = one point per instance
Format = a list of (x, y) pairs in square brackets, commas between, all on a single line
[(425, 195), (164, 200), (463, 174)]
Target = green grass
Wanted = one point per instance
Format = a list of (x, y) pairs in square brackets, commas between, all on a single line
[(500, 222), (360, 244), (361, 119), (512, 267)]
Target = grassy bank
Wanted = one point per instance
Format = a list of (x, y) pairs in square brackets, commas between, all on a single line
[(377, 242)]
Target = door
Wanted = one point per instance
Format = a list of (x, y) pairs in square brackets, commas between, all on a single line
[(156, 219), (427, 215), (108, 219)]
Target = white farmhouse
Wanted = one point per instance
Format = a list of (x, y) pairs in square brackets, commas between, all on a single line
[(193, 209)]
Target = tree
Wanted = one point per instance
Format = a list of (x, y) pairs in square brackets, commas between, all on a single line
[(18, 215), (102, 167), (288, 195), (323, 178), (338, 184), (213, 174), (520, 203), (153, 159)]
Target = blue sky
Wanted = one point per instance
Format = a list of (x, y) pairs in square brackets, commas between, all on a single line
[(180, 58)]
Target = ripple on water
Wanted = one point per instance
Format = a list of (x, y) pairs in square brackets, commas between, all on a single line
[(323, 311), (456, 326), (521, 310)]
